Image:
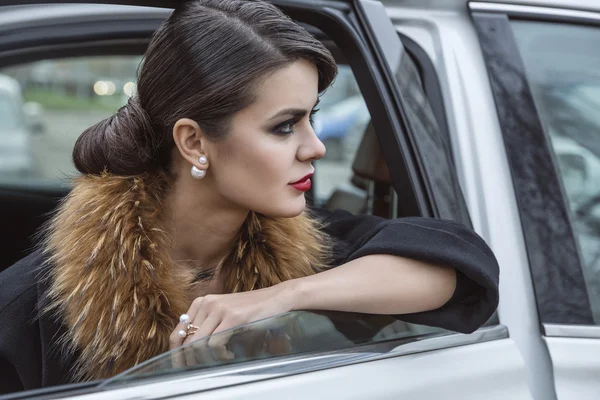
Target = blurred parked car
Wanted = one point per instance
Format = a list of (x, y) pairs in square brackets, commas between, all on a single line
[(477, 115), (16, 157), (342, 122)]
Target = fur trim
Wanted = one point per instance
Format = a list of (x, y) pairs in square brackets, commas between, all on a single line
[(115, 286), (269, 251)]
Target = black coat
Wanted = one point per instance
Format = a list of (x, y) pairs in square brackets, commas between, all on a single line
[(30, 356)]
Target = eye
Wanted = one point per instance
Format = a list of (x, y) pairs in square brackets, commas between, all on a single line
[(312, 114), (285, 128)]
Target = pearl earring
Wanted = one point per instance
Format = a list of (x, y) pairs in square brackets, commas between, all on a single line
[(197, 173)]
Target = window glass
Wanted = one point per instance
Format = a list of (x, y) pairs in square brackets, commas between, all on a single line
[(563, 66), (45, 105), (340, 124), (10, 115), (293, 333)]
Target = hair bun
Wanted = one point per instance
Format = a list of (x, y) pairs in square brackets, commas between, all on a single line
[(121, 144)]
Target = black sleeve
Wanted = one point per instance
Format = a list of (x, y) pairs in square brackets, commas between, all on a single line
[(20, 351), (433, 240)]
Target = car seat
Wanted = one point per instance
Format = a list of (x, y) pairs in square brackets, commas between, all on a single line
[(370, 188)]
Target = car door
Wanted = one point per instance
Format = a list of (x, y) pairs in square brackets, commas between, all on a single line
[(543, 65), (485, 364)]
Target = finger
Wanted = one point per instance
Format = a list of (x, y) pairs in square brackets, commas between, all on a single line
[(201, 353), (198, 353), (219, 340), (178, 359), (178, 335), (192, 354), (205, 327), (194, 350)]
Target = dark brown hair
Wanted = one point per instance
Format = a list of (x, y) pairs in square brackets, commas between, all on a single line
[(203, 63)]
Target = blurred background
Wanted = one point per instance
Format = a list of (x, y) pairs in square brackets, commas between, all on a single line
[(51, 102)]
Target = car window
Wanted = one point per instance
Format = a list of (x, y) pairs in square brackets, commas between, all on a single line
[(62, 98), (563, 67), (340, 124), (290, 334), (9, 114)]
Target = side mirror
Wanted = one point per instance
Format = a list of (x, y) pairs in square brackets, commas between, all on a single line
[(34, 117)]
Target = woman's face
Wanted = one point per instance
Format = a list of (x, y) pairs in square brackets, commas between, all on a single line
[(270, 146)]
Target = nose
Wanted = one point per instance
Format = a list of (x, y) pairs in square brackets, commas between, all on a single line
[(311, 148)]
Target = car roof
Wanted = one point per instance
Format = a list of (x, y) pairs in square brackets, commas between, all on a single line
[(587, 5)]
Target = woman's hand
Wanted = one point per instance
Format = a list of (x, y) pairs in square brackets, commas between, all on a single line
[(216, 313)]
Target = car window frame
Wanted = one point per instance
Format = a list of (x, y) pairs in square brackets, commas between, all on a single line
[(449, 201), (431, 85), (560, 289)]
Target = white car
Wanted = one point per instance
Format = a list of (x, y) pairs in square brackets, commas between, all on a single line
[(460, 129), (16, 158)]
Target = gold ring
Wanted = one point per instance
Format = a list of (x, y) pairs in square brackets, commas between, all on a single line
[(191, 329)]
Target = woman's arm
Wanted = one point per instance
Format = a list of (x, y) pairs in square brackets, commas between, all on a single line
[(433, 242), (376, 284), (423, 271)]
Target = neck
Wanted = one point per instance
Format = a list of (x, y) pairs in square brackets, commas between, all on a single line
[(203, 229)]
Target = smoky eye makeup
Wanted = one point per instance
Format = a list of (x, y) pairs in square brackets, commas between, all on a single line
[(312, 114), (286, 127)]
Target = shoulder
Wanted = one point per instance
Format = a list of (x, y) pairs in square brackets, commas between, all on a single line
[(19, 282), (430, 239), (342, 223)]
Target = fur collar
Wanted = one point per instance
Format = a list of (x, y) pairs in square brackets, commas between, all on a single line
[(116, 289)]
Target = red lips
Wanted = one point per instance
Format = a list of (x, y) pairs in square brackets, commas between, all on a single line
[(303, 184)]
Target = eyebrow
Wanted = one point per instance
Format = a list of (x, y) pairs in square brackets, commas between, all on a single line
[(295, 112)]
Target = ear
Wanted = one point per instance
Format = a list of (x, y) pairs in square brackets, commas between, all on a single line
[(190, 141)]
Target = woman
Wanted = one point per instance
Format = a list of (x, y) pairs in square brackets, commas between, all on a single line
[(191, 201)]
